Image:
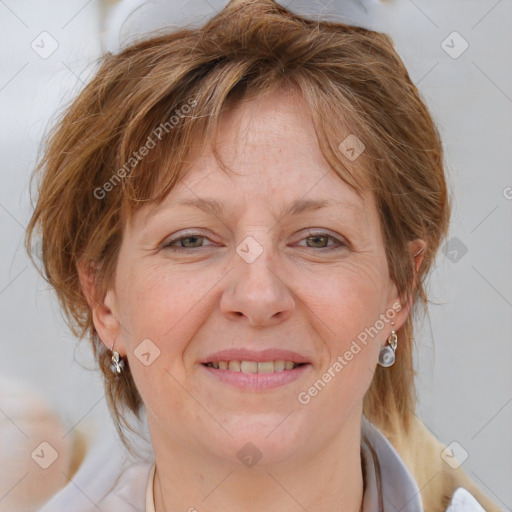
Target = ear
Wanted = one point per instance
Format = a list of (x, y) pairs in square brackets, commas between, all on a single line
[(103, 309), (416, 252)]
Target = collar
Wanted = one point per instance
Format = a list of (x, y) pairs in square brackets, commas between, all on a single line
[(388, 484), (150, 499)]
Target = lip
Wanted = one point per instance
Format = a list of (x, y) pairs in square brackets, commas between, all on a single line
[(257, 381), (241, 354)]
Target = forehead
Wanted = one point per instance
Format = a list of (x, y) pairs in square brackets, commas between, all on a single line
[(270, 159), (275, 128)]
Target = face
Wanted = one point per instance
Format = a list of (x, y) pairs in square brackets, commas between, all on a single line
[(291, 266)]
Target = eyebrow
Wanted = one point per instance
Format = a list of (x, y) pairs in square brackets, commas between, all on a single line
[(215, 207)]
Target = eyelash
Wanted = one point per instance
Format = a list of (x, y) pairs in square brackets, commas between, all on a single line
[(338, 243)]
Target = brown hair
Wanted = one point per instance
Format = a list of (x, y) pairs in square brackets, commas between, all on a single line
[(171, 89)]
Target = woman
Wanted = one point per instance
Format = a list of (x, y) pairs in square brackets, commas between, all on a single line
[(241, 218)]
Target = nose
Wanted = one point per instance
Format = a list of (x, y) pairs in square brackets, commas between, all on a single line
[(257, 293)]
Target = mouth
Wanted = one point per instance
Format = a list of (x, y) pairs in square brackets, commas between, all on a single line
[(276, 366), (255, 371)]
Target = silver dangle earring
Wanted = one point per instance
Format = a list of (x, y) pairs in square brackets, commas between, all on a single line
[(387, 353), (117, 365)]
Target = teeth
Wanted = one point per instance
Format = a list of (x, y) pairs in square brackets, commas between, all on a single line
[(254, 366), (249, 366), (234, 366), (279, 365), (267, 367)]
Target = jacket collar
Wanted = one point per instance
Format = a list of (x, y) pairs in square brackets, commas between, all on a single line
[(389, 486)]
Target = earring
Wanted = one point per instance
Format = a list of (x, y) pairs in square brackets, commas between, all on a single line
[(117, 365), (387, 353)]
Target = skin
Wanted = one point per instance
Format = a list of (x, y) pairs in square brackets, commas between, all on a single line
[(297, 295)]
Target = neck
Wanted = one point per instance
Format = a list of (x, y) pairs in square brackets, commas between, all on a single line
[(327, 478)]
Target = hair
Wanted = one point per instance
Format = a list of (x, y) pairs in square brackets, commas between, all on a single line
[(166, 94)]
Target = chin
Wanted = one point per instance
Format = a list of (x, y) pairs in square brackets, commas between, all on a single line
[(261, 439)]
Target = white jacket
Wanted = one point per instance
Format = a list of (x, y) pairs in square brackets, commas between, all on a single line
[(111, 480)]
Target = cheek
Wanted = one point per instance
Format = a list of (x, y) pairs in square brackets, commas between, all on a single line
[(162, 308), (155, 307), (155, 299), (349, 300), (349, 306)]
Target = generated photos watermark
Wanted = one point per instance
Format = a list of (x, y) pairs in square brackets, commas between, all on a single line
[(304, 397), (137, 156)]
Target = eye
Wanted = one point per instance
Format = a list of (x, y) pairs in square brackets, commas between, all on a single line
[(189, 241), (195, 241), (320, 241)]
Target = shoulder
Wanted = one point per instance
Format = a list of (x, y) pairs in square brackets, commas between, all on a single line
[(438, 475), (109, 479), (398, 482)]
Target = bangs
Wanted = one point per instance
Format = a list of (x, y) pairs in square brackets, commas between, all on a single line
[(162, 143)]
